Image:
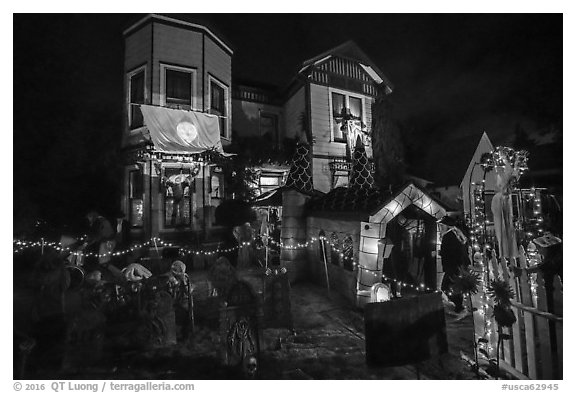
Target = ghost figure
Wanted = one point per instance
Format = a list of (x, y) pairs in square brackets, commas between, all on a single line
[(502, 209)]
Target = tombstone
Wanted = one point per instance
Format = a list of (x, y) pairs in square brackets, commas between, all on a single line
[(159, 317), (223, 276), (405, 331), (277, 306), (239, 325)]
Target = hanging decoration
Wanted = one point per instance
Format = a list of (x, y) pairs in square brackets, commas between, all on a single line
[(508, 166)]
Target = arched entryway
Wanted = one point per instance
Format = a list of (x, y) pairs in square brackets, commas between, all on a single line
[(413, 258)]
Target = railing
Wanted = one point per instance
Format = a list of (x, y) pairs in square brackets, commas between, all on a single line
[(337, 164)]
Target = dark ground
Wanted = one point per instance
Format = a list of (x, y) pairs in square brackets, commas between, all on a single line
[(328, 344)]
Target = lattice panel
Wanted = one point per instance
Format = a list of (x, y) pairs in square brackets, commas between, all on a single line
[(300, 175), (361, 176)]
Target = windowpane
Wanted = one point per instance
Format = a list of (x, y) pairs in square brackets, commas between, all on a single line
[(135, 198), (179, 88), (137, 88), (269, 180), (136, 97), (218, 105), (356, 108), (338, 104), (268, 126), (217, 99)]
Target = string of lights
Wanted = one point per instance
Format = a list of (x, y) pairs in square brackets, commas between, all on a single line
[(23, 244), (482, 243)]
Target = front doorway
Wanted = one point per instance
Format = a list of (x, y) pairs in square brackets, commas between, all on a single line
[(413, 257)]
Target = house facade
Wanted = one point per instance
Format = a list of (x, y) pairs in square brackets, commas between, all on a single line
[(328, 104), (182, 110), (174, 69)]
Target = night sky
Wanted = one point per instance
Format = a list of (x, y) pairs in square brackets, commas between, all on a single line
[(454, 76)]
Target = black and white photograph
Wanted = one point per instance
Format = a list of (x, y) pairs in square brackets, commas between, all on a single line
[(261, 195)]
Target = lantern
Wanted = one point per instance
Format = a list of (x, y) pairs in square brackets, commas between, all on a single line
[(380, 293)]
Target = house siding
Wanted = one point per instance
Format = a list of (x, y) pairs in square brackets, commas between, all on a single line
[(176, 47), (246, 116), (137, 49), (218, 64)]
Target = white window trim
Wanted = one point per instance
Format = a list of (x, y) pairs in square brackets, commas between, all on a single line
[(129, 76), (193, 89), (347, 95), (227, 101)]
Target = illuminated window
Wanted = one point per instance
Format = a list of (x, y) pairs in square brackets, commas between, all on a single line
[(179, 201), (136, 96), (135, 198), (219, 104), (177, 87), (217, 185), (344, 105), (270, 181)]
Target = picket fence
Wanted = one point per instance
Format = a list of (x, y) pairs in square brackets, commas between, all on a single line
[(534, 347)]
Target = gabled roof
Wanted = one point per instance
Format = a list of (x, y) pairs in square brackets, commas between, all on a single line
[(484, 146), (371, 201), (350, 50)]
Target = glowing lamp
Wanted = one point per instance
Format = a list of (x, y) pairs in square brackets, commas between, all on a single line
[(380, 292), (388, 245)]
